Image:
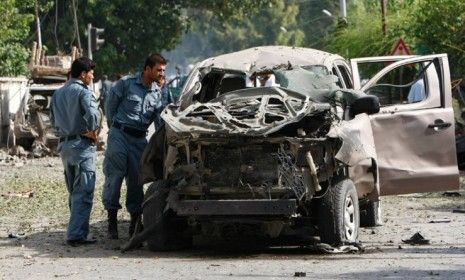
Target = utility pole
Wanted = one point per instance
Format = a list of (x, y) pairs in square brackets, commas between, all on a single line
[(39, 34), (76, 25), (383, 17), (343, 9), (89, 43)]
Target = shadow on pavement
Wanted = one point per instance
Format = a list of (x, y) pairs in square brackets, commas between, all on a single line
[(404, 273), (52, 244)]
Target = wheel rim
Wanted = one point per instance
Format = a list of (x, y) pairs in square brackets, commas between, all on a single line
[(349, 219)]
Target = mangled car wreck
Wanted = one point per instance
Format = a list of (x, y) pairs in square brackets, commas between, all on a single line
[(26, 128), (268, 141)]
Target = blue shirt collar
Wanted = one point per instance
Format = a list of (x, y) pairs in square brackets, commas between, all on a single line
[(139, 78), (153, 87), (76, 81)]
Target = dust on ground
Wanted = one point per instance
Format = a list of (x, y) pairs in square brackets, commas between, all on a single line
[(34, 214)]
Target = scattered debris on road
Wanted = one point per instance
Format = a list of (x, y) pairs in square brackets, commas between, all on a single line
[(439, 221), (348, 248), (451, 194), (18, 235), (26, 194), (416, 239)]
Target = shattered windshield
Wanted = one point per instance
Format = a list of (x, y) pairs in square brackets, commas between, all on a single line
[(315, 82)]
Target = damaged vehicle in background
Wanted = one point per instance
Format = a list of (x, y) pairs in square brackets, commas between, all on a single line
[(281, 141), (24, 112)]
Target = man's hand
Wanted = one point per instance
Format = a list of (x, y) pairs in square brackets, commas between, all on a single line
[(91, 135)]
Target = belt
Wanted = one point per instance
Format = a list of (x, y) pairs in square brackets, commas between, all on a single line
[(73, 137), (129, 130)]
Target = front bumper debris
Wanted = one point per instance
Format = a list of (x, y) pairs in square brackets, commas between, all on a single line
[(252, 207)]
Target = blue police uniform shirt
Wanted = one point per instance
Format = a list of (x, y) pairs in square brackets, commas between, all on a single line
[(132, 104), (73, 109), (106, 86), (417, 92)]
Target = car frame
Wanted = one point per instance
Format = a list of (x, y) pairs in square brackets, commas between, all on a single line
[(340, 155)]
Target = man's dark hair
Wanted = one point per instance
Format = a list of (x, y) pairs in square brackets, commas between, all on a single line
[(81, 64), (153, 59)]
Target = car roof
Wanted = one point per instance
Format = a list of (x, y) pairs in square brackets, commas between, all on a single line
[(266, 57)]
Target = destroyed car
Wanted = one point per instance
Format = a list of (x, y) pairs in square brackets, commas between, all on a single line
[(275, 141)]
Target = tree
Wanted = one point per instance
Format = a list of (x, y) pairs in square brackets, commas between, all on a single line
[(314, 23), (363, 34), (133, 29), (14, 28), (275, 23), (439, 27), (435, 26)]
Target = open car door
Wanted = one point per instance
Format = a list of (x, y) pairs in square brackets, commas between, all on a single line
[(414, 131)]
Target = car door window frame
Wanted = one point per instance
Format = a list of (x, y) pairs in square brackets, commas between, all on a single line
[(433, 80), (342, 68)]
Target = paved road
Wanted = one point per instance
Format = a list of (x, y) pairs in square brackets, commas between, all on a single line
[(43, 255)]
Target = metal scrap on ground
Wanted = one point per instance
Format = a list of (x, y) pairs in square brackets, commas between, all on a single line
[(416, 239)]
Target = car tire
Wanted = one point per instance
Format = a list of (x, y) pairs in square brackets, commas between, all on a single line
[(154, 205), (338, 214), (370, 214), (168, 233)]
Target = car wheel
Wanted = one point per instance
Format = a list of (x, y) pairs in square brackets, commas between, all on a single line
[(168, 233), (154, 205), (370, 214), (338, 212)]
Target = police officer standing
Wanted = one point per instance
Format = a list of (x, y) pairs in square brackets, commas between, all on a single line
[(104, 90), (75, 117), (133, 104)]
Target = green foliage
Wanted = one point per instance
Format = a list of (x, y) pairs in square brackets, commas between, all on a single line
[(275, 25), (271, 23), (133, 29), (439, 27), (349, 42), (314, 23), (14, 28), (434, 26), (14, 59), (225, 10), (363, 36)]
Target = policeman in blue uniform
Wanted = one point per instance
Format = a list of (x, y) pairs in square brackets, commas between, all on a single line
[(104, 90), (75, 117), (133, 104)]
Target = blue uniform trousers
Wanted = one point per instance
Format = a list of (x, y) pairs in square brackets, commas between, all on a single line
[(121, 161), (79, 157)]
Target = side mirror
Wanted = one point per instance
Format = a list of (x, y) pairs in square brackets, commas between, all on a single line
[(368, 104)]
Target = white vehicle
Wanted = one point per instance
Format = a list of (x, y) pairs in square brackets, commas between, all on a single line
[(310, 153)]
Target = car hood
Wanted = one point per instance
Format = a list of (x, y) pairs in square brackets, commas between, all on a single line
[(255, 111), (262, 110)]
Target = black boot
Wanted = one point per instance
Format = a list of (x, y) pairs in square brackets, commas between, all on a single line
[(113, 224), (135, 219)]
